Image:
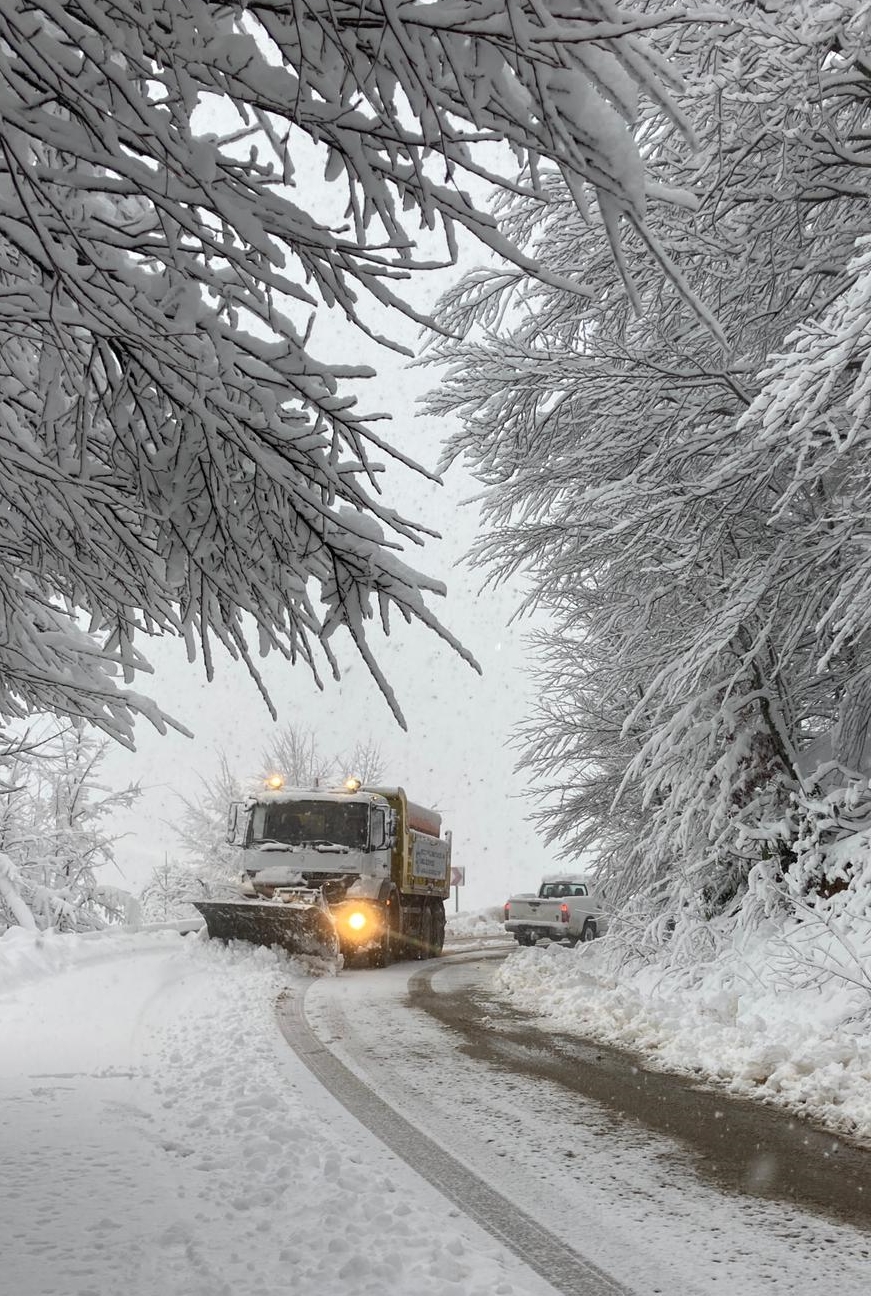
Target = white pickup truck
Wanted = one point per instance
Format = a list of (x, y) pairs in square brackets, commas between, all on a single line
[(568, 907)]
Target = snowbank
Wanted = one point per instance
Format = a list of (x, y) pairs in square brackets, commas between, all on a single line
[(27, 954), (476, 922), (160, 1138), (782, 1015)]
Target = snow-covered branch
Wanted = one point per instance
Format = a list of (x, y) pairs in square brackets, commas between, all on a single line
[(175, 459)]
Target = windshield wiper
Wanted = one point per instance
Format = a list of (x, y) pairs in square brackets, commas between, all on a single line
[(322, 844)]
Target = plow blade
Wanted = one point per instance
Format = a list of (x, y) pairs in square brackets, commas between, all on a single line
[(297, 928)]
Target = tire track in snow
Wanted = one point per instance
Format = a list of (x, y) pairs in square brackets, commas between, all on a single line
[(549, 1256)]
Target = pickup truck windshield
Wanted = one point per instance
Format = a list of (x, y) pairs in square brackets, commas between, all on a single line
[(301, 823), (558, 890)]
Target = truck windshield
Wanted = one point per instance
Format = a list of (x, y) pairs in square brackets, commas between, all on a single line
[(301, 823)]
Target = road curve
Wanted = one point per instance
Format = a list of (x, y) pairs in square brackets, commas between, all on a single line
[(547, 1255)]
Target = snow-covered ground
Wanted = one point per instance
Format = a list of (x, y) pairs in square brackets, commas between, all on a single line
[(160, 1139), (477, 923), (783, 1014)]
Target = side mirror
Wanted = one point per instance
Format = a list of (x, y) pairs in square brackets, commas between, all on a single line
[(237, 824), (382, 829), (377, 831)]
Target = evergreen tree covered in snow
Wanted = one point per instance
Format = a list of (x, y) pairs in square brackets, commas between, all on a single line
[(692, 511), (175, 458)]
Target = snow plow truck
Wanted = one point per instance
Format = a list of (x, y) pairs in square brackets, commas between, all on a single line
[(360, 871)]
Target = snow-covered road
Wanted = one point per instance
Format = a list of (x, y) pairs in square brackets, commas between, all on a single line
[(160, 1139)]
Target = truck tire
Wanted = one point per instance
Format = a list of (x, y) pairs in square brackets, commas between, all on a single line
[(427, 934), (398, 948), (381, 955), (589, 931), (439, 922), (389, 948)]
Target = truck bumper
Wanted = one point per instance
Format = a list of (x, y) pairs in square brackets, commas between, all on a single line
[(527, 933)]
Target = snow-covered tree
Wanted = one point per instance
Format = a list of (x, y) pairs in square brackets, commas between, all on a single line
[(168, 893), (175, 458), (297, 754), (53, 833), (690, 510), (202, 828), (364, 761)]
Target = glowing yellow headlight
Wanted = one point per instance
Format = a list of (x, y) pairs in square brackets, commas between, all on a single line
[(353, 784), (357, 920), (274, 782)]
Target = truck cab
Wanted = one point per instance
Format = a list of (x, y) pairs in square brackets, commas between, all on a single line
[(359, 867)]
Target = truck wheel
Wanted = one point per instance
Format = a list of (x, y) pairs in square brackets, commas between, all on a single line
[(439, 928), (381, 955), (389, 948), (398, 947), (588, 932), (424, 949)]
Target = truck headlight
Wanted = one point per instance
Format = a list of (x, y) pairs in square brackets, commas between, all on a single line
[(357, 920)]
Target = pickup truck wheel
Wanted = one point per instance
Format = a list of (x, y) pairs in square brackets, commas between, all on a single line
[(589, 931)]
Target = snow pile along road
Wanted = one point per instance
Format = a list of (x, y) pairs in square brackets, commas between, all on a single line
[(476, 923), (782, 1015), (159, 1139)]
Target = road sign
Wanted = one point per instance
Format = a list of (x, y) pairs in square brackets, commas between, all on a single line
[(458, 877)]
